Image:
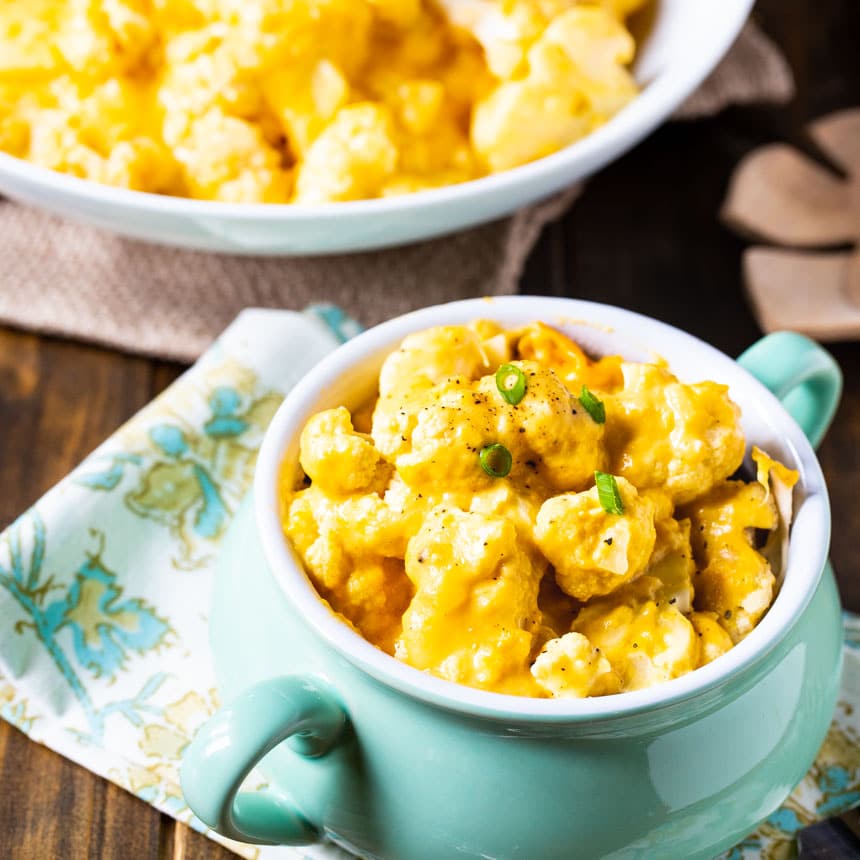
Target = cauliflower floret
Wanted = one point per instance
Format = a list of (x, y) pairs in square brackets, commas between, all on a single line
[(576, 79), (441, 155), (733, 579), (305, 99), (27, 34), (713, 639), (554, 350), (661, 433), (560, 442), (595, 552), (309, 524), (352, 550), (505, 31), (206, 71), (435, 354), (555, 118), (104, 37), (645, 640), (374, 598), (596, 51), (443, 439), (356, 525), (141, 163), (57, 146), (572, 668), (672, 563), (474, 613), (278, 33), (352, 158), (370, 524), (104, 133), (423, 360), (336, 458), (418, 104), (552, 440), (516, 502), (430, 132), (226, 158)]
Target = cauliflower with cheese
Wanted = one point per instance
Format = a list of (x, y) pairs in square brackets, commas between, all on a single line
[(667, 434), (353, 549), (338, 459), (307, 101), (647, 641), (551, 440), (576, 79), (520, 517), (733, 580), (423, 360), (476, 626), (570, 667), (352, 158), (593, 550)]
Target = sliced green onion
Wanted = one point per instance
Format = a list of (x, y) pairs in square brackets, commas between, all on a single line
[(511, 382), (593, 406), (607, 492), (496, 460)]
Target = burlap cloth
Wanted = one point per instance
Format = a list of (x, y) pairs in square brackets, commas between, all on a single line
[(62, 278)]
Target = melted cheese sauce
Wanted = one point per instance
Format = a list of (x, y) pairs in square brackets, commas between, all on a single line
[(531, 583), (307, 101)]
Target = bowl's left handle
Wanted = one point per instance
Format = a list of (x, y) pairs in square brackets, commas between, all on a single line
[(225, 750)]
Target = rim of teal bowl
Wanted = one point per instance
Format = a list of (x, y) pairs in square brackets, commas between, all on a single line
[(807, 554)]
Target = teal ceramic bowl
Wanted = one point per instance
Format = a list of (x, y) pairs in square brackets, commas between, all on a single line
[(392, 763)]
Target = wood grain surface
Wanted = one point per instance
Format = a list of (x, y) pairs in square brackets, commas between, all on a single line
[(644, 236)]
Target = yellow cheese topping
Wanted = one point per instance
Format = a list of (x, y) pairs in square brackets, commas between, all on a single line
[(308, 101), (532, 580)]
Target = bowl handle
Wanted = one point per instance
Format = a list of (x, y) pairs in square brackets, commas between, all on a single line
[(232, 742), (805, 378)]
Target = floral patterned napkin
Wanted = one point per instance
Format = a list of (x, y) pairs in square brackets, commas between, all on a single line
[(104, 585)]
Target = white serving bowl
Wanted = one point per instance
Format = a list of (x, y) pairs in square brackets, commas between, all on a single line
[(684, 43)]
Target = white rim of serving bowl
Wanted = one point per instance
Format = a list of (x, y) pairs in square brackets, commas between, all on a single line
[(655, 102), (807, 554)]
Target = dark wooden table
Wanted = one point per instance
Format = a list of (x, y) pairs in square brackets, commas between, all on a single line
[(644, 236)]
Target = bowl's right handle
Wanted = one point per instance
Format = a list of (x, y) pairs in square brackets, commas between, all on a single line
[(805, 378)]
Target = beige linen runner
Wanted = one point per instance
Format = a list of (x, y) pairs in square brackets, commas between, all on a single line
[(62, 278)]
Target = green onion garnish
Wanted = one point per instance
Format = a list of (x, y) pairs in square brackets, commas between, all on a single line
[(593, 406), (607, 492), (511, 382), (496, 460)]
